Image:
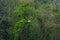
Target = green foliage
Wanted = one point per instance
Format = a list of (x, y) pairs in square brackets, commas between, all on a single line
[(18, 27), (29, 20)]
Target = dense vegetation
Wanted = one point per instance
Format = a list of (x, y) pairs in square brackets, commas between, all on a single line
[(29, 20)]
